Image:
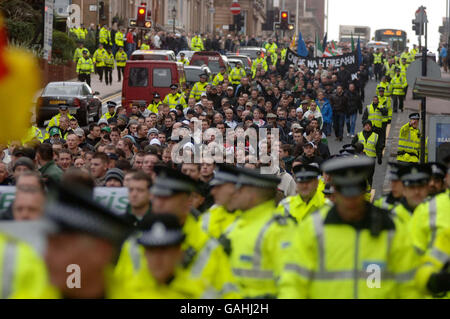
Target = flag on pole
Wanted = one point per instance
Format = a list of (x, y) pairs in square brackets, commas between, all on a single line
[(292, 45), (353, 43), (328, 52), (319, 48), (358, 52), (334, 50), (324, 43), (3, 43), (301, 46)]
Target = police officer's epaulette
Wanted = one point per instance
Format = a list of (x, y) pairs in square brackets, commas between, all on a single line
[(226, 244), (283, 219), (188, 257), (196, 213)]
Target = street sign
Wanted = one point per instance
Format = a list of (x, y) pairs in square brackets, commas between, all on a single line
[(415, 71), (132, 22), (212, 10), (439, 138), (235, 8), (48, 29)]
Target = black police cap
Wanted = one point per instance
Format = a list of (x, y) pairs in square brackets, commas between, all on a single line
[(414, 116), (306, 172), (414, 174), (111, 104), (225, 173), (162, 230), (170, 181), (437, 169), (253, 177), (70, 209)]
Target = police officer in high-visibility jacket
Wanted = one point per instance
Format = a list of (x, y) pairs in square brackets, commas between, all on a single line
[(408, 149), (389, 67), (197, 43), (398, 84), (385, 100), (378, 64), (109, 66), (121, 61), (199, 87), (86, 235), (415, 178), (259, 237), (204, 257), (390, 200), (154, 105), (23, 272), (219, 76), (431, 217), (351, 249), (85, 67), (174, 97), (63, 111), (433, 276), (99, 60), (162, 274), (183, 59), (105, 36), (236, 74), (216, 220), (271, 47), (373, 146), (375, 113), (309, 197), (79, 52), (259, 61), (111, 113)]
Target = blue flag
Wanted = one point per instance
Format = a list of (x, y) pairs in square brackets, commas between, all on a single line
[(301, 46), (324, 44), (358, 52)]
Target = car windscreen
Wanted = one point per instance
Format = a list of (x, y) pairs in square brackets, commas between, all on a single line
[(138, 77), (162, 77), (192, 75), (68, 90), (250, 53)]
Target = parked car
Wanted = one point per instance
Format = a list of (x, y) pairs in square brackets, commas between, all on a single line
[(212, 59), (145, 77), (83, 103), (187, 54), (193, 72), (251, 52), (167, 55), (246, 61)]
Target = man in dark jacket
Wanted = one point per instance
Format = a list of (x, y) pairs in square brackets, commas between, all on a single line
[(353, 106), (339, 106), (344, 77), (48, 168), (363, 78)]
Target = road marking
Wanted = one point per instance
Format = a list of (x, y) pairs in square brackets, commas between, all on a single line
[(372, 194), (111, 97)]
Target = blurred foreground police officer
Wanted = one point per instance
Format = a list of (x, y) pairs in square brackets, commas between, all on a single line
[(87, 236), (433, 277), (216, 220), (352, 249), (431, 217), (415, 178), (390, 200), (203, 257), (23, 273), (309, 198), (259, 237), (162, 275)]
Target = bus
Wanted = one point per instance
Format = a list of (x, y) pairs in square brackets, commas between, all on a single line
[(346, 32), (396, 38)]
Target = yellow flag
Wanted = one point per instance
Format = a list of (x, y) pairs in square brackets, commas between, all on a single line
[(19, 82)]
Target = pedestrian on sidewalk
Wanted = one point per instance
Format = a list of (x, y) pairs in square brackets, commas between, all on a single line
[(444, 55), (99, 61)]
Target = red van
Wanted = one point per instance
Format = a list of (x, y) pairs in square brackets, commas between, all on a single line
[(214, 60), (144, 77)]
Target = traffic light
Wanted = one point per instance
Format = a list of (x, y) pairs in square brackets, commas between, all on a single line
[(284, 22), (101, 10), (239, 21), (141, 15)]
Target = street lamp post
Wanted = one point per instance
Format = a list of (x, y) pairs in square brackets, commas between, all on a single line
[(174, 15)]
